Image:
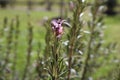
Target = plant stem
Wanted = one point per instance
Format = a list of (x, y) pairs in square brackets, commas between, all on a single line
[(30, 29), (55, 56), (9, 41), (5, 21), (73, 37), (15, 47), (70, 60), (87, 59)]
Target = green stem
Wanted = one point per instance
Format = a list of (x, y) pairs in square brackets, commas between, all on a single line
[(87, 59), (15, 49), (28, 51)]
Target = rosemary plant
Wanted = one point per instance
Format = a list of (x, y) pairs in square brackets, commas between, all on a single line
[(5, 22), (95, 26), (74, 39), (29, 50), (9, 42), (15, 47), (56, 68)]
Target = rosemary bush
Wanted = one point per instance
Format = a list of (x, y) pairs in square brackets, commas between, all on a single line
[(73, 46)]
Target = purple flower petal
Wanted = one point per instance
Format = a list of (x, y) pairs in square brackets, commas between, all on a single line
[(57, 27)]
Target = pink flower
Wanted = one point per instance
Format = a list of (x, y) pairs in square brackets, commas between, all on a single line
[(57, 27), (59, 32)]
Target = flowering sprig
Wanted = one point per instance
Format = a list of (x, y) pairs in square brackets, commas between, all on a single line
[(55, 64)]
